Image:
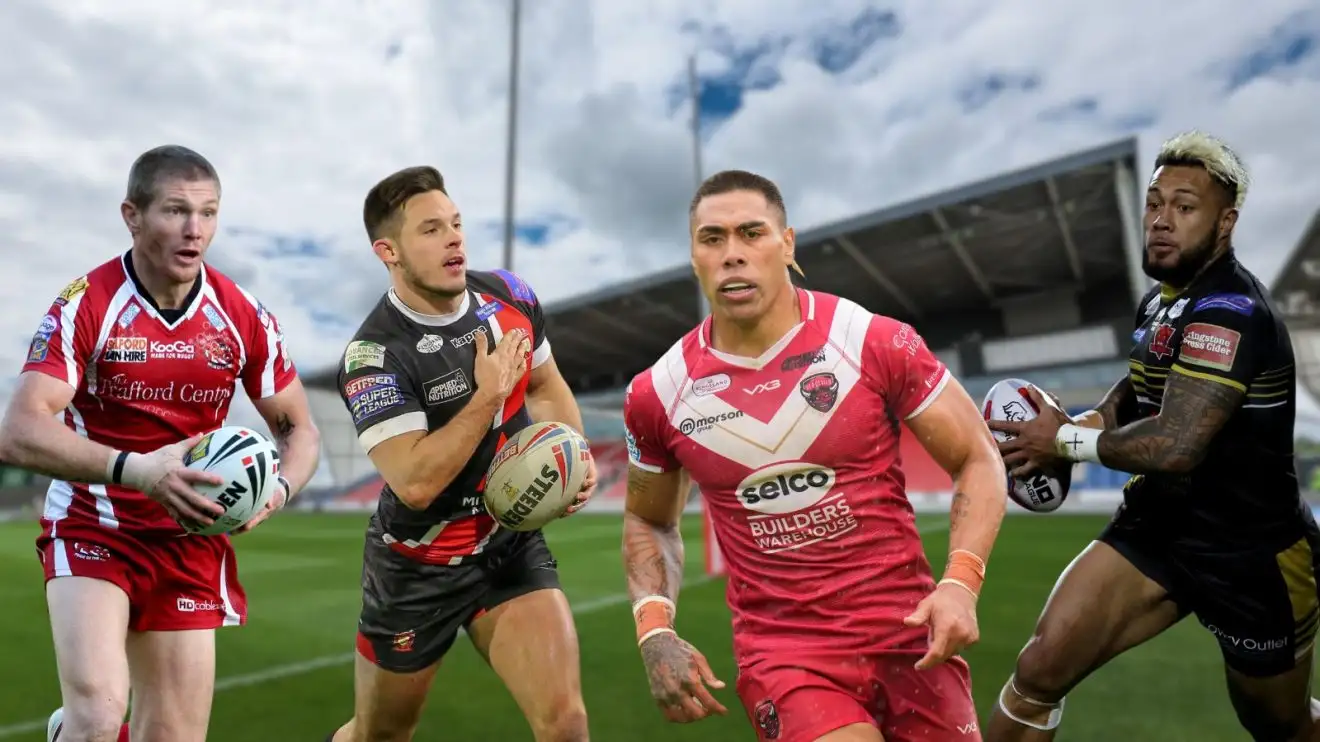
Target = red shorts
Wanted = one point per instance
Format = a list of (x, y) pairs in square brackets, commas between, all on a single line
[(172, 583), (804, 698)]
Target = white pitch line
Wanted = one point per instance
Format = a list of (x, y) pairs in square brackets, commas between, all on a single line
[(292, 669)]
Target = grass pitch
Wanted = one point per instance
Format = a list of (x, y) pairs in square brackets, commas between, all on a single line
[(287, 675)]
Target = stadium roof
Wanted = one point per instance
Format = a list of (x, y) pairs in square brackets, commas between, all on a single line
[(948, 260), (1297, 287)]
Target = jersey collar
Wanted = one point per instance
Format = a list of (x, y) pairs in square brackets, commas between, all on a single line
[(149, 302), (431, 320), (1222, 264)]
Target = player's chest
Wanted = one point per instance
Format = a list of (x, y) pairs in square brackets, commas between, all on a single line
[(445, 361), (141, 358), (1156, 341), (808, 405)]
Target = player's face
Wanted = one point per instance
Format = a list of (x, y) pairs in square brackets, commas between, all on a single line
[(430, 250), (741, 251), (173, 233), (1188, 216)]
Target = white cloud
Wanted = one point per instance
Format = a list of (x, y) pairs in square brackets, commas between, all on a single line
[(303, 106)]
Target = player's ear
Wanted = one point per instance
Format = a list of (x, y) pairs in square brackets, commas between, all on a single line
[(790, 249), (1227, 221), (132, 217), (386, 251)]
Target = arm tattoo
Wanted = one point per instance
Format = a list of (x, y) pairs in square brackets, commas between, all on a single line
[(283, 429), (1191, 413), (958, 510), (652, 548), (1111, 406)]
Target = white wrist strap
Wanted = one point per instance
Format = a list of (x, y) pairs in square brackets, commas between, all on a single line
[(1076, 443), (637, 606)]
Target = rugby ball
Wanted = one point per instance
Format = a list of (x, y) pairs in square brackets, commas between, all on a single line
[(1043, 492), (536, 475), (249, 464)]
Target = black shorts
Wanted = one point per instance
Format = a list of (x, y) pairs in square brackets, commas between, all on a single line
[(412, 612), (1261, 604)]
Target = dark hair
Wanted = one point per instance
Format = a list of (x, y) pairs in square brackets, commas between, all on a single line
[(728, 181), (385, 200), (166, 162)]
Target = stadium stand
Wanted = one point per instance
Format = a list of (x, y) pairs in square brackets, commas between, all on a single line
[(1296, 290), (1034, 272)]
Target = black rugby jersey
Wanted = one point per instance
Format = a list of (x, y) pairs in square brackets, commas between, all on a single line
[(1224, 329), (406, 371)]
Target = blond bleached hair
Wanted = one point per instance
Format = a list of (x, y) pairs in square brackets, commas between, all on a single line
[(1199, 149)]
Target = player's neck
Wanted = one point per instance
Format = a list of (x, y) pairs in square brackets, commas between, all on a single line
[(752, 338), (164, 291), (426, 302)]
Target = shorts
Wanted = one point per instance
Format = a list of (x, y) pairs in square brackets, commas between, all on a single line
[(173, 583), (803, 698), (1260, 604), (412, 612)]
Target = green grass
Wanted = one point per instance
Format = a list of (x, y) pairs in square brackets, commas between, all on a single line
[(301, 573)]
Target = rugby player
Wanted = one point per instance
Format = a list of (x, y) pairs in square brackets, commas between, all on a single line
[(133, 357), (448, 366), (784, 407), (1213, 522)]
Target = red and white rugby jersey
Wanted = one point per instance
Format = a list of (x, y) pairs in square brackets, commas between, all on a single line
[(146, 378), (797, 457)]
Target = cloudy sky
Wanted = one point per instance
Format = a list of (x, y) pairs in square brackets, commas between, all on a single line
[(851, 105)]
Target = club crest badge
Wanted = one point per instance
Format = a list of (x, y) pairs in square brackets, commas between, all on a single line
[(821, 391)]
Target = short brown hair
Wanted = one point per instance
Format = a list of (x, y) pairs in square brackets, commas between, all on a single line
[(165, 162), (385, 201), (728, 181)]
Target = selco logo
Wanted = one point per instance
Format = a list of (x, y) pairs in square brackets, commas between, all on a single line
[(785, 487)]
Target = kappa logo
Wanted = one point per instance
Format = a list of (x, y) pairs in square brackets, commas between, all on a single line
[(468, 337)]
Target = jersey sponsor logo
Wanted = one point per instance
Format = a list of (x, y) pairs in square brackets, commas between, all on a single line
[(467, 337), (40, 346), (1138, 335), (821, 391), (263, 316), (125, 350), (693, 425), (441, 389), (430, 344), (363, 354), (517, 286), (634, 453), (768, 386), (1232, 302), (786, 487), (767, 719), (1176, 310), (351, 388), (802, 360), (906, 338), (49, 324), (76, 287), (130, 313), (282, 347), (1152, 305), (1161, 340), (124, 388), (486, 310), (213, 316), (375, 398), (177, 350), (189, 605), (1208, 345), (710, 384), (1247, 644)]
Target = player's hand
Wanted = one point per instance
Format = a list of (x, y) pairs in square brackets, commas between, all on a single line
[(679, 674), (588, 488), (162, 476), (1031, 447), (950, 612), (498, 372), (277, 501)]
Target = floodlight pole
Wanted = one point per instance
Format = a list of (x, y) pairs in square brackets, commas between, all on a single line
[(511, 145), (694, 89)]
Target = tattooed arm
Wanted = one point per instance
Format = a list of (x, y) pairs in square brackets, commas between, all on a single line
[(289, 417), (1193, 410), (953, 432), (652, 545), (1118, 405)]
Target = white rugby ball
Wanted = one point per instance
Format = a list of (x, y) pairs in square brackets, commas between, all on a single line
[(249, 464), (1041, 492), (536, 476)]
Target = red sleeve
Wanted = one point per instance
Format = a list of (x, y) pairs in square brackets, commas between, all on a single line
[(66, 337), (645, 420), (269, 369), (902, 368)]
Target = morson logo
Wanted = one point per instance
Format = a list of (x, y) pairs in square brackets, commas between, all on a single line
[(786, 487)]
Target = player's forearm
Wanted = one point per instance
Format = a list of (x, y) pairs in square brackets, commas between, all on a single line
[(978, 506), (652, 558), (1108, 414), (300, 450), (553, 401), (438, 458), (40, 443)]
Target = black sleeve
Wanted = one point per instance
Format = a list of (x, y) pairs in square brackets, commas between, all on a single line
[(379, 393), (529, 305), (1223, 340)]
